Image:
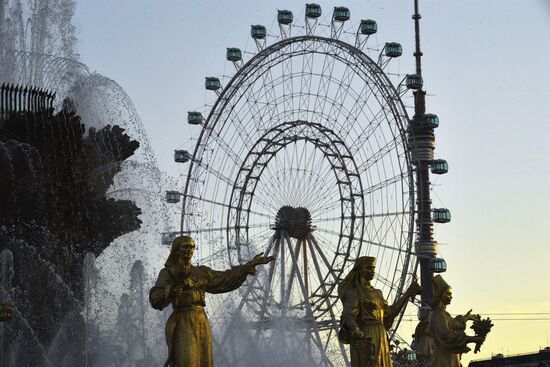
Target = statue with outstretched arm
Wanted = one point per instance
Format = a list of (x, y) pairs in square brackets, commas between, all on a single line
[(184, 286)]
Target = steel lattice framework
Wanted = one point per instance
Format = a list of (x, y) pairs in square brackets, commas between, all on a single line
[(303, 156)]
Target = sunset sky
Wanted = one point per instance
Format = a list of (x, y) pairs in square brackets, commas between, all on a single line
[(486, 69)]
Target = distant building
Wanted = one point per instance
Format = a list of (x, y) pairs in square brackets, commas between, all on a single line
[(540, 359)]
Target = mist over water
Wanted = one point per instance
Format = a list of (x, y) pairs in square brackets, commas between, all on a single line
[(102, 316)]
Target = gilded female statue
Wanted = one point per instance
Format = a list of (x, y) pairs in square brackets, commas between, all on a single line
[(366, 316), (184, 286), (450, 340)]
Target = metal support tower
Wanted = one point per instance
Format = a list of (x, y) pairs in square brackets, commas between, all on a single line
[(422, 145)]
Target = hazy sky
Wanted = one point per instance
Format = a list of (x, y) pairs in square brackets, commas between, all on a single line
[(487, 73)]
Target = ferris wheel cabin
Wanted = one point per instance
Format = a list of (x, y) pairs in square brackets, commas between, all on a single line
[(212, 83), (284, 17), (234, 54), (341, 13), (182, 156), (438, 265), (439, 166), (172, 197), (313, 11), (429, 120), (441, 215), (258, 32), (393, 49), (194, 118), (368, 27), (414, 81)]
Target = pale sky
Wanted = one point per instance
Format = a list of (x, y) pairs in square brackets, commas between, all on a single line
[(486, 69)]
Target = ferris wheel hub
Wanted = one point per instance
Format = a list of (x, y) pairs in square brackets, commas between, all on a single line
[(295, 221)]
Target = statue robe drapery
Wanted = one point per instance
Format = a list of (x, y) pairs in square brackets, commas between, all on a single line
[(369, 311), (449, 338), (188, 333)]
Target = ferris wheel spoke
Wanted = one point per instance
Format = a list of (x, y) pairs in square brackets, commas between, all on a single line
[(265, 97), (268, 284), (210, 169), (323, 85), (375, 122), (249, 110), (237, 121), (317, 341), (214, 255), (287, 167), (323, 257), (193, 197), (265, 203), (381, 185), (324, 296), (357, 109), (395, 239), (333, 321), (305, 294), (331, 206), (321, 185), (313, 189), (288, 85), (368, 242), (384, 281), (305, 180), (307, 68), (226, 148), (290, 165), (272, 96), (222, 229), (299, 156), (282, 173), (364, 216), (392, 226), (379, 154), (266, 190), (341, 93), (297, 248), (328, 245), (334, 195), (297, 178), (325, 190), (256, 279), (260, 237), (251, 287)]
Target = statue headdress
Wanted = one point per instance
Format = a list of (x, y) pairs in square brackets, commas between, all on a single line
[(439, 287), (350, 279)]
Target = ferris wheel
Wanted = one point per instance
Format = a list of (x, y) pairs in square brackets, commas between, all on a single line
[(303, 156)]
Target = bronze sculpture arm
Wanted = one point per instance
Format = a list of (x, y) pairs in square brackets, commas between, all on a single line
[(259, 259), (413, 290)]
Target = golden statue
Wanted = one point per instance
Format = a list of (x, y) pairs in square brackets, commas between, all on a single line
[(184, 286), (367, 316), (6, 312), (424, 343), (450, 340)]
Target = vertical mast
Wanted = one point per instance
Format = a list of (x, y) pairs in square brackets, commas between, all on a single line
[(420, 102), (422, 145)]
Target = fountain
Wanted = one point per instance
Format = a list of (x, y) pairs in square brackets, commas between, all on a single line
[(82, 201)]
